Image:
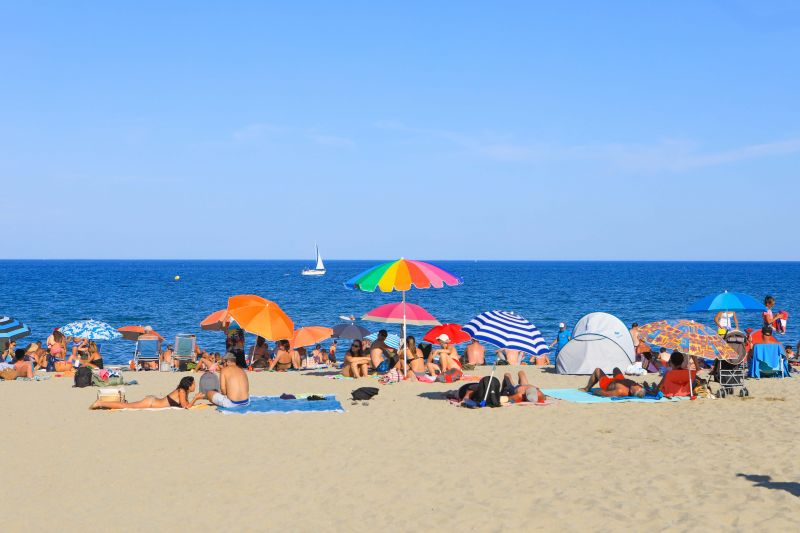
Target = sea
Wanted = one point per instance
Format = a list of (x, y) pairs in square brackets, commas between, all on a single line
[(46, 294)]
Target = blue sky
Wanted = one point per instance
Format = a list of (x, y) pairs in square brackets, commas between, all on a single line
[(474, 130)]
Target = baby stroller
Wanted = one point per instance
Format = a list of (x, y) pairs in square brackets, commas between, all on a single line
[(730, 373)]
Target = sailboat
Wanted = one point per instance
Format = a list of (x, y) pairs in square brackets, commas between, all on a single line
[(318, 270)]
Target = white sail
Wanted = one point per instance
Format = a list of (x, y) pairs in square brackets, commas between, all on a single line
[(320, 264)]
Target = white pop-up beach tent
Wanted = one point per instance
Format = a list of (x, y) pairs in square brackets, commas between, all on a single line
[(599, 340)]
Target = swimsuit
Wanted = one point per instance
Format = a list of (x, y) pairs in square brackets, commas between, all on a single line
[(605, 381), (172, 403), (283, 366), (223, 401)]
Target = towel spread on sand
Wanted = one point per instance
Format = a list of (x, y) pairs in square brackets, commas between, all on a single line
[(578, 396), (274, 404)]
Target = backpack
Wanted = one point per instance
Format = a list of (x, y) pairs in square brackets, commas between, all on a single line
[(83, 377), (493, 398), (364, 393)]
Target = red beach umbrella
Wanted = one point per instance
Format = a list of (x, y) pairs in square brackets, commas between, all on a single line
[(454, 331)]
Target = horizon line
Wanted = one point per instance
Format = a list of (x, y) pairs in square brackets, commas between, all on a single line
[(436, 260)]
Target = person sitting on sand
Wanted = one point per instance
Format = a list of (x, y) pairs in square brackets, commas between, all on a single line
[(316, 353), (512, 356), (208, 363), (233, 384), (36, 356), (323, 357), (23, 367), (80, 349), (57, 345), (284, 358), (444, 358), (475, 353), (676, 382), (380, 352), (522, 392), (416, 361), (9, 354), (259, 353), (356, 365), (177, 398), (95, 358), (614, 387)]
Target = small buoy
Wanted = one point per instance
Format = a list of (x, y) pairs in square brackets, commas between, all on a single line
[(177, 278)]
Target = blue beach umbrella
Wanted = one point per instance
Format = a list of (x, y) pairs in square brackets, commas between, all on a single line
[(726, 301), (392, 340), (92, 330), (349, 331), (12, 329)]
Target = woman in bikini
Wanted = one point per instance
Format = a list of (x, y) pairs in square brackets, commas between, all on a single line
[(95, 358), (356, 365), (177, 398), (444, 358), (284, 358), (416, 360)]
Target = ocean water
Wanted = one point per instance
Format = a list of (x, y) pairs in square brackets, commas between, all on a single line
[(48, 294)]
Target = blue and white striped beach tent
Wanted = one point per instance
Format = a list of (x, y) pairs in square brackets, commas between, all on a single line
[(506, 329), (92, 330), (12, 329)]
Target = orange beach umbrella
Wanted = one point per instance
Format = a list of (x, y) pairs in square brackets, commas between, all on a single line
[(132, 333), (260, 316), (216, 321), (310, 335)]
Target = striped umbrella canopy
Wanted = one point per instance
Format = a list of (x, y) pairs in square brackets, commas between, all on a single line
[(92, 330), (349, 331), (399, 313), (687, 336), (392, 340), (12, 329), (726, 301), (506, 329)]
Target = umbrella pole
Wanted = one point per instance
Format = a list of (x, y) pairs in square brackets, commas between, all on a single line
[(489, 386), (403, 340)]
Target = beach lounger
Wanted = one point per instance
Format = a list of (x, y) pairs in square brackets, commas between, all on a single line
[(185, 348), (147, 351)]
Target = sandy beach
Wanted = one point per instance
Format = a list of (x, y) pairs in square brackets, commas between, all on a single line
[(406, 462)]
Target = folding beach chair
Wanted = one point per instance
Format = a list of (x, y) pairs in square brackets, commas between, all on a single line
[(147, 351), (185, 348)]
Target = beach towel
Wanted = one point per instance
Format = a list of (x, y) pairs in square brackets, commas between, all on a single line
[(274, 404), (578, 396)]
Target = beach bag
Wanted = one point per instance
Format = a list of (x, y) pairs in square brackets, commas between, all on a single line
[(392, 376), (364, 393), (493, 386), (83, 377), (451, 376)]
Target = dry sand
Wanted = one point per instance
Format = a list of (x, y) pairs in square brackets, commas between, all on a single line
[(405, 462)]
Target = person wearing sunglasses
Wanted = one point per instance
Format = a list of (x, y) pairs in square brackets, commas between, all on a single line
[(356, 364)]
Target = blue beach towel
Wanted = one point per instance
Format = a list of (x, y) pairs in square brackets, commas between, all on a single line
[(578, 396), (274, 404)]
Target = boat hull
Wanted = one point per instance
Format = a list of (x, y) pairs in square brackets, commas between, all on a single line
[(313, 272)]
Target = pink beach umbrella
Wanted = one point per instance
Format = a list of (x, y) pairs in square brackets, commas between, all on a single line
[(397, 313)]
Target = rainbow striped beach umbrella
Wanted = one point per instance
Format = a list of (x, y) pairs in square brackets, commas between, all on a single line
[(402, 275)]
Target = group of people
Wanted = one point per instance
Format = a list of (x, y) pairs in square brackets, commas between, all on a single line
[(52, 356)]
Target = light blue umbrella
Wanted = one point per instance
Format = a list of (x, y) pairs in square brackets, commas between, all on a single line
[(392, 340), (726, 301), (92, 330)]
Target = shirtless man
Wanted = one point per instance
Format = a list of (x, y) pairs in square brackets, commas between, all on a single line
[(613, 387), (379, 351), (234, 387), (522, 392), (475, 353), (24, 368)]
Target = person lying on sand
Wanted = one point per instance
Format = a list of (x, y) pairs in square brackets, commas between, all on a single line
[(23, 367), (233, 383), (613, 387), (355, 364), (177, 398), (522, 392)]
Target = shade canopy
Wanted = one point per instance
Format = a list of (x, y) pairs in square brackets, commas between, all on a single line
[(399, 313), (92, 330), (508, 330), (260, 316), (311, 335), (12, 329), (598, 340), (726, 301), (687, 336), (132, 333), (402, 275), (455, 332), (350, 331)]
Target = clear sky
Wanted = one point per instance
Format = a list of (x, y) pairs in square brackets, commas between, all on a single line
[(437, 130)]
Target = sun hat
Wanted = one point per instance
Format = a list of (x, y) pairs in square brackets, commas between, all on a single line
[(229, 357), (443, 337)]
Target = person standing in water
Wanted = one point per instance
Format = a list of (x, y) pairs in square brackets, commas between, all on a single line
[(562, 338)]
